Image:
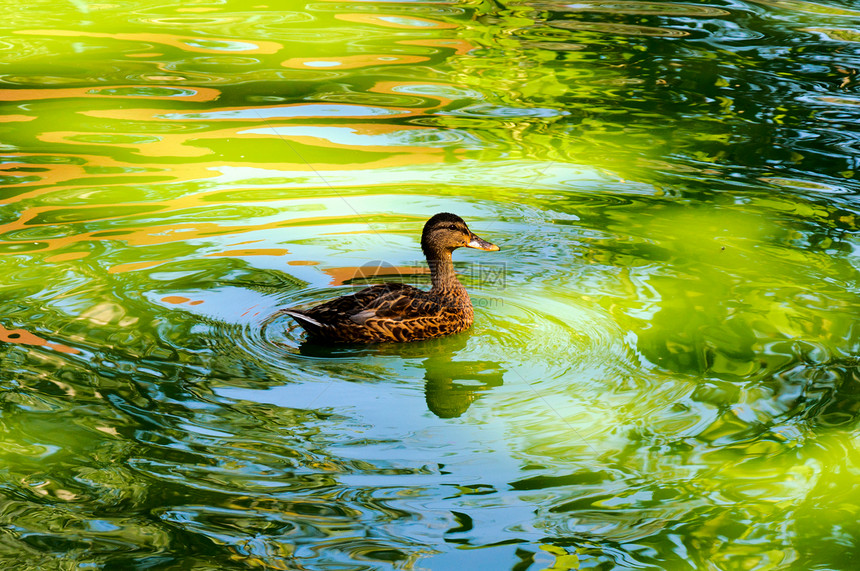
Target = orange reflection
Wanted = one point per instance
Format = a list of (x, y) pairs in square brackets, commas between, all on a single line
[(53, 173), (245, 242), (149, 234), (24, 337), (193, 144), (184, 43), (351, 62), (122, 268), (414, 87), (302, 263), (408, 152), (340, 276), (255, 114), (178, 299), (247, 311), (67, 257), (460, 47), (396, 21), (252, 252), (141, 230), (114, 92), (163, 144), (383, 145)]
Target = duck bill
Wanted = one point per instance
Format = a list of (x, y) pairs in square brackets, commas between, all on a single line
[(481, 244)]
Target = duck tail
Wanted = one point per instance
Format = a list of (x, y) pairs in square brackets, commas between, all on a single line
[(302, 318)]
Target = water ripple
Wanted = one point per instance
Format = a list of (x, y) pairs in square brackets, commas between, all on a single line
[(663, 367)]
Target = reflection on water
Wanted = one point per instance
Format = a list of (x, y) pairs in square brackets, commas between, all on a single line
[(449, 388), (663, 370)]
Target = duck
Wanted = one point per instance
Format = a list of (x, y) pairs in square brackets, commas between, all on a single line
[(400, 313)]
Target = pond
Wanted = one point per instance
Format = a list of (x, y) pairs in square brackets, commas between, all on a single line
[(663, 369)]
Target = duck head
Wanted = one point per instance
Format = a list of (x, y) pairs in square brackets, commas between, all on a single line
[(446, 232)]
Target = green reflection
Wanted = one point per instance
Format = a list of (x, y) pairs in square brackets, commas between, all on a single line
[(663, 370)]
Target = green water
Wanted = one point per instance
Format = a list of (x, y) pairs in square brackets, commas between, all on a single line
[(663, 370)]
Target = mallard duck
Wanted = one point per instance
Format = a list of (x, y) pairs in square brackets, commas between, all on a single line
[(393, 312)]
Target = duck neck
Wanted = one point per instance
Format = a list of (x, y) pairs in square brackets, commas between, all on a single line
[(442, 272)]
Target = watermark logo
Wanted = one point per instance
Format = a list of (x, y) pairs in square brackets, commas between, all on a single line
[(483, 275), (474, 276), (487, 302), (488, 275)]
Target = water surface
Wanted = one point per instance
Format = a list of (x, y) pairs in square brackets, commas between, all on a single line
[(663, 370)]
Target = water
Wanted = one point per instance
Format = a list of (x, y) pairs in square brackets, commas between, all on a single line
[(663, 370)]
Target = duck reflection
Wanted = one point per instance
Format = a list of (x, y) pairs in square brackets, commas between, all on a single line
[(445, 391), (451, 385)]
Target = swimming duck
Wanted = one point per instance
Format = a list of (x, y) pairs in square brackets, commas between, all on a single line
[(393, 312)]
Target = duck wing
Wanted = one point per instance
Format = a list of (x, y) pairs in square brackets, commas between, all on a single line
[(412, 316), (386, 312), (345, 306), (403, 305), (333, 318)]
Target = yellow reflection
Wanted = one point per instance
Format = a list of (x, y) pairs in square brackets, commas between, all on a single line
[(416, 88), (153, 93), (54, 174), (184, 43), (122, 268), (255, 114), (15, 118), (66, 257), (251, 252), (351, 62), (342, 136), (396, 21), (145, 233), (163, 145), (460, 47)]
